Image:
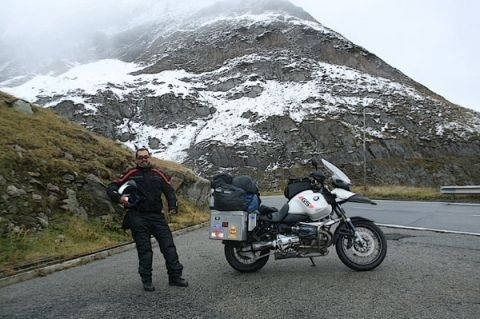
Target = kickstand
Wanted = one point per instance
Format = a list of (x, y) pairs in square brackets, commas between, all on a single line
[(313, 263)]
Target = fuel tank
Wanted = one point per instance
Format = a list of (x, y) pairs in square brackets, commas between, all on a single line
[(311, 204)]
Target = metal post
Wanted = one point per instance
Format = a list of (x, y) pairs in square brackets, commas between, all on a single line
[(364, 151)]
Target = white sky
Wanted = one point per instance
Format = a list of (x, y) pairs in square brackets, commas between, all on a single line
[(435, 42)]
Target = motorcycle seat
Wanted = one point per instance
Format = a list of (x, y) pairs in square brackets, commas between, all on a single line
[(275, 216), (265, 210)]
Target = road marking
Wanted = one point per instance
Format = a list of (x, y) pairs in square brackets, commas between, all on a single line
[(426, 203), (396, 201), (429, 229), (463, 204)]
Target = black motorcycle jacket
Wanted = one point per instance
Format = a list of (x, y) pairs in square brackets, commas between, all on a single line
[(151, 183)]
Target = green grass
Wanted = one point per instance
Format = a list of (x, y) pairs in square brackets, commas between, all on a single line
[(411, 193), (47, 138), (81, 237)]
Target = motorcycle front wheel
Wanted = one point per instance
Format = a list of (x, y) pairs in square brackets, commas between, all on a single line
[(362, 257), (243, 259)]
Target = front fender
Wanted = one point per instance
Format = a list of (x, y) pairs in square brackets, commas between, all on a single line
[(343, 227)]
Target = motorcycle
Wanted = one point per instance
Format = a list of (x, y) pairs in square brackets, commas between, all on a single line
[(305, 227)]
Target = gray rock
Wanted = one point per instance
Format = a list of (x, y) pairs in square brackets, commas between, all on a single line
[(199, 192), (35, 182), (19, 149), (13, 208), (34, 174), (52, 199), (53, 188), (3, 181), (154, 143), (22, 106), (60, 239), (15, 192), (97, 191), (12, 228), (68, 178), (36, 197), (69, 156), (43, 220), (126, 136), (72, 205)]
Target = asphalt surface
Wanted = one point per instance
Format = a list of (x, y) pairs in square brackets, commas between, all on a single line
[(462, 217), (425, 275)]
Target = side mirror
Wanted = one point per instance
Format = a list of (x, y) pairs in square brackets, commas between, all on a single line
[(318, 176), (315, 163)]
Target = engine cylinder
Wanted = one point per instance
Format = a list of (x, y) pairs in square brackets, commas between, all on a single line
[(305, 231)]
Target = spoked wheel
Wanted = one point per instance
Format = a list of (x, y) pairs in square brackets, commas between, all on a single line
[(362, 256), (242, 258)]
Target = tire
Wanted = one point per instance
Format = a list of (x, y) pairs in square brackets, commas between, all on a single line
[(362, 258), (243, 264)]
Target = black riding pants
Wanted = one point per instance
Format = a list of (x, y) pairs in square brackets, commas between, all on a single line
[(143, 226)]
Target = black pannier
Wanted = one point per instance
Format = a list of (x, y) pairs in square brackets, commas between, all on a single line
[(296, 185)]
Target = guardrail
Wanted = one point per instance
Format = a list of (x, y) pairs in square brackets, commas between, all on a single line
[(460, 189)]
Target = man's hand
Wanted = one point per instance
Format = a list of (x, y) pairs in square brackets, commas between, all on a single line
[(173, 211), (124, 200)]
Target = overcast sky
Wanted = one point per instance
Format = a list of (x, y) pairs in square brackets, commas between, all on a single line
[(435, 42)]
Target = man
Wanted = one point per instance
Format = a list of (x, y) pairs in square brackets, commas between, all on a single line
[(145, 217)]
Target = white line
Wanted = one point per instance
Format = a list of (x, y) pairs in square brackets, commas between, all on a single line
[(463, 204), (425, 202), (429, 229)]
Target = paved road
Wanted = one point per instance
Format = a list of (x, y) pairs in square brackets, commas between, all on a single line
[(425, 275), (436, 215)]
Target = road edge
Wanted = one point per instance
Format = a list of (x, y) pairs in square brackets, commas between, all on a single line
[(443, 231), (62, 265)]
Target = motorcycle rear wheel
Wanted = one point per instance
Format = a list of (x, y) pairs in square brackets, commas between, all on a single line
[(362, 258), (243, 262)]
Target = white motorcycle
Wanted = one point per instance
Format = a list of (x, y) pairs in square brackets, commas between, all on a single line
[(305, 227)]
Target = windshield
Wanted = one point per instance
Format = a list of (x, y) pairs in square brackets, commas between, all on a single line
[(337, 173)]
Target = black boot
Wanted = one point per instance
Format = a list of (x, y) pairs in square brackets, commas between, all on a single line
[(179, 282), (147, 285)]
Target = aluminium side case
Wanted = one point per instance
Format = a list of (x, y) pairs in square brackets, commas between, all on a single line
[(228, 225)]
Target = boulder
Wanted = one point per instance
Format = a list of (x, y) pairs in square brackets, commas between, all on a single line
[(15, 192), (72, 205), (3, 181), (22, 106)]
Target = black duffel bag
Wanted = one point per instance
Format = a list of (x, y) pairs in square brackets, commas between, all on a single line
[(296, 185), (229, 197)]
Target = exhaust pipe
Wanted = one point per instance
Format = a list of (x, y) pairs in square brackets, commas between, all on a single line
[(263, 245)]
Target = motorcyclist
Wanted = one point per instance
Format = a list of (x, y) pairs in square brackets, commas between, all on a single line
[(145, 217)]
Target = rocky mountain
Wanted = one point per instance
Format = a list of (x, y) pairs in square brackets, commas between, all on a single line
[(259, 87)]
